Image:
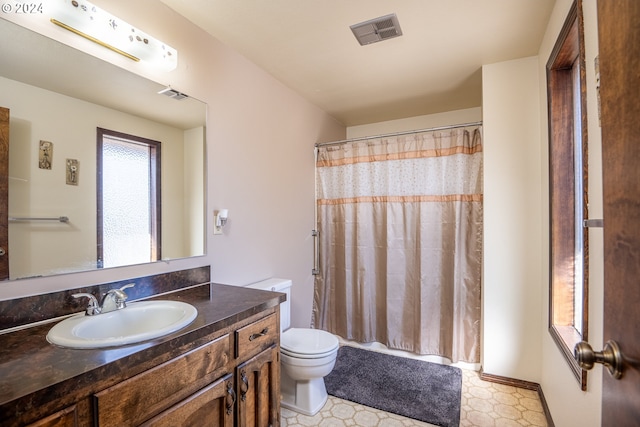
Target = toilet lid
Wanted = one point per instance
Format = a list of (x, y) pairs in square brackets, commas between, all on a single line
[(308, 341)]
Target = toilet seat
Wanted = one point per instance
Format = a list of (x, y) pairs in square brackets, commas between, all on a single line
[(309, 363), (307, 343), (307, 356)]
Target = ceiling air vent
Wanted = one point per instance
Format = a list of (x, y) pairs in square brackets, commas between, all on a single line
[(376, 30), (172, 93)]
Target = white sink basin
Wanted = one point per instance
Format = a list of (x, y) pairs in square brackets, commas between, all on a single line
[(139, 321)]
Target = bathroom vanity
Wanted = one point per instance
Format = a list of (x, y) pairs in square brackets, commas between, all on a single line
[(222, 369)]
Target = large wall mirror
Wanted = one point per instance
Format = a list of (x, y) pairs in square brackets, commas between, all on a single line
[(58, 99)]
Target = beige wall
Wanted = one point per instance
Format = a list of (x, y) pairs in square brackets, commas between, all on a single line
[(569, 405), (512, 310), (468, 115), (260, 138)]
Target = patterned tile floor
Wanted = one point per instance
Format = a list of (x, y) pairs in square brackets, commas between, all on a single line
[(483, 404)]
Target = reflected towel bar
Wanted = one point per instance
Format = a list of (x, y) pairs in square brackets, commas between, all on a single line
[(591, 223), (58, 218)]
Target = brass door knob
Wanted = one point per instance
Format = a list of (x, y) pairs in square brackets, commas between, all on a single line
[(610, 356)]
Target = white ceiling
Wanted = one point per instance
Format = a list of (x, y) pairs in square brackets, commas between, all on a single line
[(434, 66)]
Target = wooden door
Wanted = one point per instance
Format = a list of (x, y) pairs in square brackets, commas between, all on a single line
[(4, 193), (619, 39)]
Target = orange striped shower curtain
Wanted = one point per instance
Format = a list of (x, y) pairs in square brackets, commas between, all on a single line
[(400, 229)]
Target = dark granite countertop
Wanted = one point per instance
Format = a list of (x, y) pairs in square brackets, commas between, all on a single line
[(32, 370)]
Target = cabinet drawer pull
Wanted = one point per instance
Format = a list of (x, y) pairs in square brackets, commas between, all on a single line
[(262, 333), (231, 398)]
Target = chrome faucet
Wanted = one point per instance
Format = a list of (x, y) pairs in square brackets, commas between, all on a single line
[(113, 300)]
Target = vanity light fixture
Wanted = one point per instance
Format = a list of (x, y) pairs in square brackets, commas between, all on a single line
[(220, 220), (93, 23)]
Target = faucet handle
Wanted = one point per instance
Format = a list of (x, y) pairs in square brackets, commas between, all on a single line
[(93, 307), (130, 285), (122, 296), (115, 299)]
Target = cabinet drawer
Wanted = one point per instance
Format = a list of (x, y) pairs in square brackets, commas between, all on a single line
[(257, 336), (149, 393)]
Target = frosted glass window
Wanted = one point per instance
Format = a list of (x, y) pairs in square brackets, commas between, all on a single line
[(127, 204)]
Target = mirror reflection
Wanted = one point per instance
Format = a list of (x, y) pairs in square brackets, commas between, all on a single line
[(60, 102)]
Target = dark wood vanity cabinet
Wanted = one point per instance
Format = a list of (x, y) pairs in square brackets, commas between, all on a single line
[(233, 379), (222, 383)]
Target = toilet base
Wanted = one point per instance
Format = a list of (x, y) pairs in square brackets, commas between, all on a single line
[(304, 396)]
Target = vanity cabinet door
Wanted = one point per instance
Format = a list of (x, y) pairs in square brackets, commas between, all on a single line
[(214, 405), (258, 389)]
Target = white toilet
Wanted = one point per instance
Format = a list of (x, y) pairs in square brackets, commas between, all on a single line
[(306, 356)]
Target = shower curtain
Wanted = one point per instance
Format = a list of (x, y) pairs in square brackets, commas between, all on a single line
[(400, 253)]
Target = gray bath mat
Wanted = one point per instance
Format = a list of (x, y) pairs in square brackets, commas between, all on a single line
[(412, 388)]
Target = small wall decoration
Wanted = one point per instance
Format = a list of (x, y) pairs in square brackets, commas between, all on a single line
[(45, 155), (73, 170)]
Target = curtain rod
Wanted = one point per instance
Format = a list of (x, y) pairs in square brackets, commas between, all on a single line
[(346, 141)]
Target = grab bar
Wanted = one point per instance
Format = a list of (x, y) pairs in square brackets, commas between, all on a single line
[(316, 252), (59, 218)]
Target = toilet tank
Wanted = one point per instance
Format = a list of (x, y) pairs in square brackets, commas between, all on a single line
[(278, 285)]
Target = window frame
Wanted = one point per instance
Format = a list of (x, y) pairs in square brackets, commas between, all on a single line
[(567, 115), (155, 192)]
